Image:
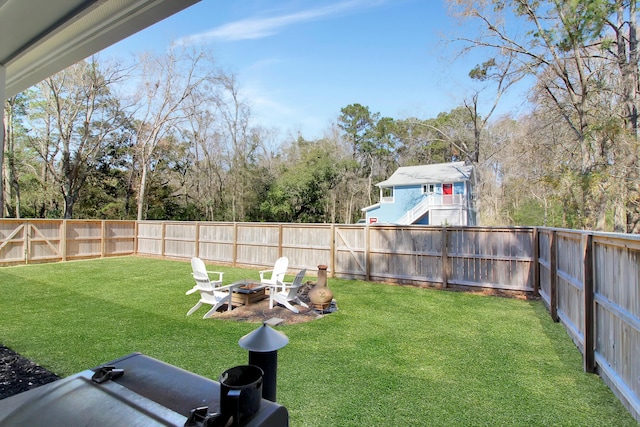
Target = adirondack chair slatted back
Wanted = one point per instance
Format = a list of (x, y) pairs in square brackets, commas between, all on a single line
[(200, 272), (280, 269), (286, 294), (211, 291), (277, 273), (296, 284)]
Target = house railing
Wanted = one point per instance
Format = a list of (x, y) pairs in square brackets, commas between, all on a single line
[(447, 199), (432, 201), (590, 282)]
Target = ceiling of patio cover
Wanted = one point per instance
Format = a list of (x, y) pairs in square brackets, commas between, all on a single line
[(38, 38)]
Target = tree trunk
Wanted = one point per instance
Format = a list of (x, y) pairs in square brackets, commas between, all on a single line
[(3, 138), (3, 79), (68, 207), (628, 65), (2, 142), (13, 192), (141, 192)]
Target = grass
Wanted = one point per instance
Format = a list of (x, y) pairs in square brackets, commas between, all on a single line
[(389, 356)]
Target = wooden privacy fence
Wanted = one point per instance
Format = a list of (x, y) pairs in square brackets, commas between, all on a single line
[(589, 281), (51, 240), (467, 256)]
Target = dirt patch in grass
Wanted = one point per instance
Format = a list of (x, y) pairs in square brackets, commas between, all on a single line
[(521, 295), (260, 312)]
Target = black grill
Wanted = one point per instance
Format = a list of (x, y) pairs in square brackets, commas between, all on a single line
[(133, 390)]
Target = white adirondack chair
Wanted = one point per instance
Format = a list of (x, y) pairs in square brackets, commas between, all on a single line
[(277, 272), (211, 291), (287, 293)]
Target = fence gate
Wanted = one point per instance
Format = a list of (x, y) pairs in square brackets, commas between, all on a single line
[(28, 241), (12, 241), (350, 255)]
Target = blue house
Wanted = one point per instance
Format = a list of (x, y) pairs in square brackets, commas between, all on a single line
[(440, 194)]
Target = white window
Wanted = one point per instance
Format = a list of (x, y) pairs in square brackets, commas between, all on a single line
[(428, 188), (386, 194)]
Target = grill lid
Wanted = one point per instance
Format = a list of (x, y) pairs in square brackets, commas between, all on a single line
[(74, 401)]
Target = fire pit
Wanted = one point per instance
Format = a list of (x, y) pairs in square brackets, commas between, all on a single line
[(248, 292)]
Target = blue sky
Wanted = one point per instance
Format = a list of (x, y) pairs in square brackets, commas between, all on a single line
[(298, 62)]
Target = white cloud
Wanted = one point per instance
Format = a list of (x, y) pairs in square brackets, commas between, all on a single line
[(271, 109), (256, 28)]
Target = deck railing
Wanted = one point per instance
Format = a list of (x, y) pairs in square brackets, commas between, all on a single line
[(589, 281), (433, 201)]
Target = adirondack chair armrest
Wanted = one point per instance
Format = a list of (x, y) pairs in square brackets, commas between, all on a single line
[(229, 287), (198, 288), (276, 287), (263, 272), (219, 273)]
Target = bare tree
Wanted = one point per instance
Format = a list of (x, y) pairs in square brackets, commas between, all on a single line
[(13, 108), (208, 173), (566, 47), (73, 119), (166, 82), (625, 31), (241, 141)]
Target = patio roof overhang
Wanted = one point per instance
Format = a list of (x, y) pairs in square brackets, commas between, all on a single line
[(39, 38)]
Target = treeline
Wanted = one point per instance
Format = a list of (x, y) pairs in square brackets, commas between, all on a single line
[(173, 138), (573, 159)]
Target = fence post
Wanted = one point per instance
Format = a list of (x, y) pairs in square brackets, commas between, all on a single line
[(234, 261), (536, 264), (196, 250), (589, 362), (445, 259), (367, 252), (27, 249), (103, 238), (332, 251), (63, 240), (135, 237), (280, 240), (163, 231), (553, 297)]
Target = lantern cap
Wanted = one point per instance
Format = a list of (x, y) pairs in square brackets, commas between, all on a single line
[(263, 339)]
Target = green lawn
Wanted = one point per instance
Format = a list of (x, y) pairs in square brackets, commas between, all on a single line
[(390, 355)]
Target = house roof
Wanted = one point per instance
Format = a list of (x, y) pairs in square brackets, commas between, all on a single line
[(39, 38), (370, 208), (428, 174)]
